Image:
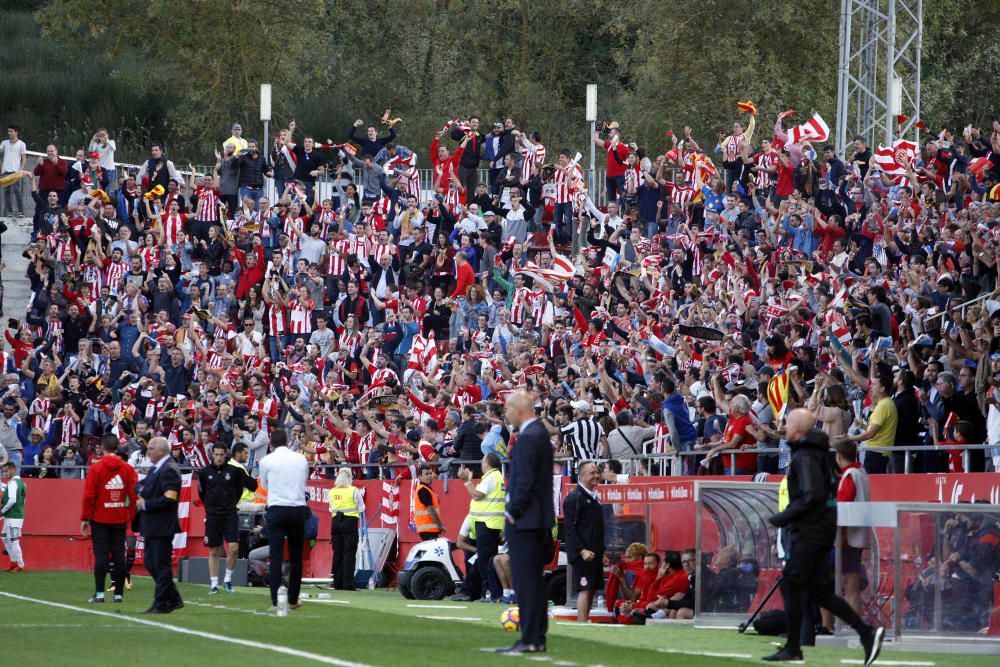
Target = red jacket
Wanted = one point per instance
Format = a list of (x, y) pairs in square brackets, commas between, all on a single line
[(109, 492)]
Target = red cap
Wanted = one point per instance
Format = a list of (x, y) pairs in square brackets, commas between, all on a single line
[(95, 155)]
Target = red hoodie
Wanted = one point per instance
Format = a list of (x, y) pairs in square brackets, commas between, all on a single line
[(109, 492)]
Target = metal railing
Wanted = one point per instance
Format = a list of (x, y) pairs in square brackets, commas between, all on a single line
[(675, 459), (324, 184)]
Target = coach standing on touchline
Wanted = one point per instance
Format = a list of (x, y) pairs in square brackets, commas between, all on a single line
[(584, 524), (159, 494), (530, 516), (283, 473)]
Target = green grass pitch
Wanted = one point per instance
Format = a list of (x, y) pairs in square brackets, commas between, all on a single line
[(375, 628)]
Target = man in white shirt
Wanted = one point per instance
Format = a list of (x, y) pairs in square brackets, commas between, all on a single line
[(283, 475), (15, 156)]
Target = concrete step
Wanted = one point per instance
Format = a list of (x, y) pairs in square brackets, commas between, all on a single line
[(17, 289)]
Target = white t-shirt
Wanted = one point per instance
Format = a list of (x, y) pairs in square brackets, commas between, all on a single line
[(13, 154), (107, 153)]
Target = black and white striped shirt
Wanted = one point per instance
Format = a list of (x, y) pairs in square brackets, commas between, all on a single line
[(582, 437)]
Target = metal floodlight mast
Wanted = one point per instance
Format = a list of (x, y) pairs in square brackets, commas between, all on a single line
[(879, 69)]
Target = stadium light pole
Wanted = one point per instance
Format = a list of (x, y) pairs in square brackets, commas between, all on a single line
[(265, 114), (592, 117)]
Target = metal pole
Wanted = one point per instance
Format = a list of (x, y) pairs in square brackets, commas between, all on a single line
[(593, 177), (266, 148), (890, 70)]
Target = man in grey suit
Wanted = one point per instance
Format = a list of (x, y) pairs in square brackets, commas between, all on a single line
[(157, 521), (530, 517)]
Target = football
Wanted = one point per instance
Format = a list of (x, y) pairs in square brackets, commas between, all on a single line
[(510, 619)]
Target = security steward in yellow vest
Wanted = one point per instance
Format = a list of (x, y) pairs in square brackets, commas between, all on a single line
[(346, 505), (239, 455), (486, 513), (426, 510)]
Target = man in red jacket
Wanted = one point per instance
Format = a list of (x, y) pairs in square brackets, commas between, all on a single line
[(108, 507)]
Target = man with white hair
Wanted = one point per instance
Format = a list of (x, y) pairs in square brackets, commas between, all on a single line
[(736, 436), (157, 505)]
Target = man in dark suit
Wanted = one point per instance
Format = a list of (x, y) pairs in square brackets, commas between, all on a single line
[(157, 522), (584, 522), (530, 516)]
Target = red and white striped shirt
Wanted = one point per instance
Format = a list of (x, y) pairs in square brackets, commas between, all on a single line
[(300, 316), (70, 429), (348, 340), (39, 412), (208, 204), (337, 258), (380, 251), (173, 225), (564, 183), (765, 161), (533, 155), (277, 320), (265, 410), (150, 258), (114, 274)]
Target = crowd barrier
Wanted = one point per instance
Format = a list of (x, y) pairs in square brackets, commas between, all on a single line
[(666, 506)]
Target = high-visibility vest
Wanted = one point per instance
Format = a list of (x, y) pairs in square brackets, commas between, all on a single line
[(422, 513), (342, 501), (783, 494), (490, 510), (260, 495), (248, 496)]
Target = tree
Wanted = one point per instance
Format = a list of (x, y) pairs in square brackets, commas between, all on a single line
[(208, 56)]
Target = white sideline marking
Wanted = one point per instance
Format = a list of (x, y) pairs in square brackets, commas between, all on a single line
[(578, 624), (451, 618), (61, 625), (316, 657), (325, 600), (915, 663), (706, 654), (436, 606), (222, 606)]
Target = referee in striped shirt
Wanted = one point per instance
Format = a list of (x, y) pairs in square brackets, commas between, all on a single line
[(584, 436)]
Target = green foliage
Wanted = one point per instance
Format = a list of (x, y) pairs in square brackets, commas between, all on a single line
[(61, 95), (190, 69)]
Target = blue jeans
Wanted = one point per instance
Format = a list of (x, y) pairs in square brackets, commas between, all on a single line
[(254, 193), (615, 186), (273, 343), (562, 220)]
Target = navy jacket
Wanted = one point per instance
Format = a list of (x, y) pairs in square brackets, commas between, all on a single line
[(529, 487), (584, 521), (161, 490)]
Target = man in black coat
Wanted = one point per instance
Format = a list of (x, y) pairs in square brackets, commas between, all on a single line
[(530, 516), (811, 521), (157, 522), (584, 523)]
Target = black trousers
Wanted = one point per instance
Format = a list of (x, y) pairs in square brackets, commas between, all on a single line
[(158, 551), (344, 536), (285, 523), (806, 578), (108, 540), (487, 546), (527, 561)]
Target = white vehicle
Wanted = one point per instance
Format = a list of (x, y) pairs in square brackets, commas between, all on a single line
[(430, 573)]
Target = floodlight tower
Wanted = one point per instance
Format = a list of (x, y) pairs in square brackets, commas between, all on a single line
[(879, 69)]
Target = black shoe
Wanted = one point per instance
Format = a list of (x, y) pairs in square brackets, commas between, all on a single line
[(518, 648), (154, 610), (784, 655), (823, 631), (872, 643), (117, 599), (96, 600), (461, 597)]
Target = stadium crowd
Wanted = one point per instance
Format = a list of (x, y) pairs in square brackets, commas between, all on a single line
[(723, 283)]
